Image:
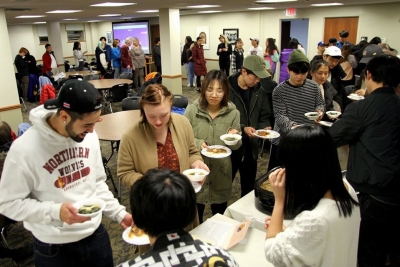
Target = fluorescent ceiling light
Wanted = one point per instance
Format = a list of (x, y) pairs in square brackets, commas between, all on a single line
[(328, 4), (70, 19), (29, 16), (110, 15), (64, 11), (148, 11), (203, 6), (40, 22), (93, 20), (260, 8), (210, 11), (109, 4), (274, 1)]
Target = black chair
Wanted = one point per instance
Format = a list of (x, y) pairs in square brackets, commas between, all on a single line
[(180, 101), (130, 103), (116, 93), (75, 77), (126, 75), (91, 77)]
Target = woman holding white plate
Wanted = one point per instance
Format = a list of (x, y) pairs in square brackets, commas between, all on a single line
[(212, 116)]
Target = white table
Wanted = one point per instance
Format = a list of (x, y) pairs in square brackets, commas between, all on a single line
[(246, 207)]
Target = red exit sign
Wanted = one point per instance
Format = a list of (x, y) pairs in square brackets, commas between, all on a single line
[(291, 11)]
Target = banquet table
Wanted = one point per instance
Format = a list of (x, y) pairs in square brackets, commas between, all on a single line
[(106, 84), (82, 73)]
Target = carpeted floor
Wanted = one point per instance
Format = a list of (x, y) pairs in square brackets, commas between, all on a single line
[(122, 251)]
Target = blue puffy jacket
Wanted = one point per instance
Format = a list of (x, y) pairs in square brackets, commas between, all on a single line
[(116, 57)]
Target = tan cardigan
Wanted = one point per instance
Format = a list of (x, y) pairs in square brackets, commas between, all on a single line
[(138, 149)]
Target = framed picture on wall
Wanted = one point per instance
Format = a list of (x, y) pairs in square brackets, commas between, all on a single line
[(231, 34), (204, 33), (109, 38)]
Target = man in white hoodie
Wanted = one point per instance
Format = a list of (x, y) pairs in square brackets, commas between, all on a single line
[(54, 164)]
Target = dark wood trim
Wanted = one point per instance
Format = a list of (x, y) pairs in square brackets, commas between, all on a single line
[(211, 59), (172, 76), (7, 108)]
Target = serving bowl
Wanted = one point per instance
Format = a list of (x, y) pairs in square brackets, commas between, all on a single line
[(195, 175), (86, 205), (227, 138)]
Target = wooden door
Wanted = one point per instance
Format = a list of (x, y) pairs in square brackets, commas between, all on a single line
[(333, 26)]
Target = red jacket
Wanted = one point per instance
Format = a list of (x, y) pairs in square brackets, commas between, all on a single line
[(47, 62), (47, 92), (200, 68), (126, 59)]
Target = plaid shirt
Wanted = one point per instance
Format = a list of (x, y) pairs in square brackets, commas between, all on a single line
[(237, 60)]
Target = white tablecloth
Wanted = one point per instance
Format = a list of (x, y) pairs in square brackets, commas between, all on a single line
[(246, 207)]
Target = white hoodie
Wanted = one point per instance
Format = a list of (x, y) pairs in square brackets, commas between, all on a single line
[(43, 170)]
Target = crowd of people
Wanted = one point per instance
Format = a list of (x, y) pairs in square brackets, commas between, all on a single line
[(337, 220)]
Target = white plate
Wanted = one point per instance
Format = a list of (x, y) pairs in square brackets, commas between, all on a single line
[(355, 98), (135, 240), (90, 201), (216, 156), (196, 186), (272, 134), (326, 123)]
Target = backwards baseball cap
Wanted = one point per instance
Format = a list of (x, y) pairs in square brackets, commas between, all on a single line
[(254, 39), (333, 51), (77, 96), (321, 43), (256, 64), (370, 51)]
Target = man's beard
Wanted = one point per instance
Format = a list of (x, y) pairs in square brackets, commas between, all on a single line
[(71, 133)]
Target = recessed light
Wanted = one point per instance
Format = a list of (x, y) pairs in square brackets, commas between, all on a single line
[(29, 16), (40, 22), (110, 15), (203, 6), (109, 4), (93, 20), (147, 11), (328, 4), (64, 11), (70, 19), (274, 1), (260, 8), (210, 11)]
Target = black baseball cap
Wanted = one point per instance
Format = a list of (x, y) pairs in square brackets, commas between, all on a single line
[(77, 96)]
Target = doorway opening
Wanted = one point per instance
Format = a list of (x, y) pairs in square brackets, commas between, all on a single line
[(294, 28)]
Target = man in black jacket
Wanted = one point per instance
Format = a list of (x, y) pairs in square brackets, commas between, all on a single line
[(372, 129), (252, 102)]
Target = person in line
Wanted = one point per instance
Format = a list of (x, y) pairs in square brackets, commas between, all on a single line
[(49, 61), (126, 60), (324, 231), (186, 60), (107, 49), (332, 41), (116, 58), (343, 35), (211, 116), (31, 62), (284, 75), (163, 203), (157, 54), (321, 48), (372, 129), (237, 56), (292, 99), (78, 55), (224, 51), (23, 72), (39, 188), (271, 55), (348, 63), (138, 61), (167, 138), (255, 48), (251, 100), (102, 64), (200, 68), (319, 72)]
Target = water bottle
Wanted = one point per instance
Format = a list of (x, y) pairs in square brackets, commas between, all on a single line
[(91, 70)]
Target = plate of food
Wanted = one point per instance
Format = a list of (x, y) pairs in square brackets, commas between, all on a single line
[(89, 207), (355, 97), (230, 139), (312, 116), (216, 151), (333, 114), (196, 186), (195, 175), (135, 236), (266, 134)]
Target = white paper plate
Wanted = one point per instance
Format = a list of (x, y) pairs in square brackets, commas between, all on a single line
[(355, 98), (272, 134), (196, 186), (135, 240), (326, 123), (218, 155)]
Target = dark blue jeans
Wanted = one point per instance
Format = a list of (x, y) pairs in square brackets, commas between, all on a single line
[(94, 250)]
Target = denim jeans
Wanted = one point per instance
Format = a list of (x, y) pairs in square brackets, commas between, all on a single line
[(126, 70), (190, 73), (94, 250), (117, 72)]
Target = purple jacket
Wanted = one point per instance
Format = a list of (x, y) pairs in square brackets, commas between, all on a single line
[(283, 75)]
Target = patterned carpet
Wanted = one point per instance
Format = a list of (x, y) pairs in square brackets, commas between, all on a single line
[(121, 250)]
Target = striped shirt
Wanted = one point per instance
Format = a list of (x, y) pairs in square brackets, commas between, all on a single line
[(290, 103)]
